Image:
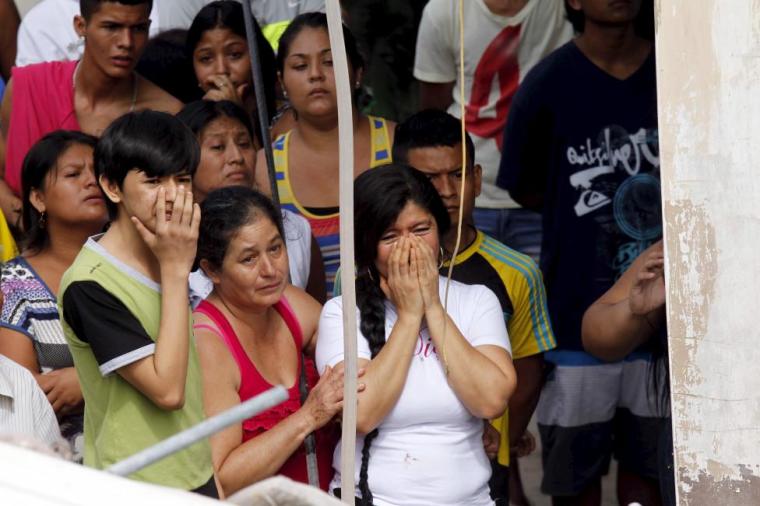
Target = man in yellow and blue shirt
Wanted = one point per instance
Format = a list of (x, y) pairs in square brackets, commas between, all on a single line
[(430, 141)]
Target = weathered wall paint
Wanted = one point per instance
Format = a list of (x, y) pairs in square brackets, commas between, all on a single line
[(708, 55)]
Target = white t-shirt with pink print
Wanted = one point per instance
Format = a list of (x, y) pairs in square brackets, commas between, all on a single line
[(429, 448)]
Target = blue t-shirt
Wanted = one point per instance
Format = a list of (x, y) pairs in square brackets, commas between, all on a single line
[(585, 143)]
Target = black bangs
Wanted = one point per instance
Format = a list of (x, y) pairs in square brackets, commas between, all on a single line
[(379, 197), (155, 143)]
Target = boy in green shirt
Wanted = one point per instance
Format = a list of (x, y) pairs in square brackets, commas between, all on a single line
[(124, 304)]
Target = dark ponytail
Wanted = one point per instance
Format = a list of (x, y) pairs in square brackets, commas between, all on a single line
[(379, 197)]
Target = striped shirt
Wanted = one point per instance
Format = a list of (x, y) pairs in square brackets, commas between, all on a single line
[(30, 308), (24, 409), (325, 226)]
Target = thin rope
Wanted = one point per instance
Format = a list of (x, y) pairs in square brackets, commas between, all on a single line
[(461, 188)]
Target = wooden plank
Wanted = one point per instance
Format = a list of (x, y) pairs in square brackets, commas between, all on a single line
[(346, 129)]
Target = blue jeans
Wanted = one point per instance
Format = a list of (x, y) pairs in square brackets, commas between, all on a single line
[(519, 229)]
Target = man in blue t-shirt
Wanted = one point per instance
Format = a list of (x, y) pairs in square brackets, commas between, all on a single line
[(581, 146)]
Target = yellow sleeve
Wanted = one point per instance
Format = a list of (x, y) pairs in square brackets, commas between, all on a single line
[(273, 31), (8, 248), (529, 328), (502, 425)]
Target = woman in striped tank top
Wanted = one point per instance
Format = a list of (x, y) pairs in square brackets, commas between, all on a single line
[(306, 157)]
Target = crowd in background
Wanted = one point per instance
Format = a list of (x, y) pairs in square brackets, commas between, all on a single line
[(149, 281)]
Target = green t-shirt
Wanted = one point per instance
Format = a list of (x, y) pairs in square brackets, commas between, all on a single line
[(111, 315)]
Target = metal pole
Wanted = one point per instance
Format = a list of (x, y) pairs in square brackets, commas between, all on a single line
[(261, 102), (346, 131), (206, 428), (262, 114)]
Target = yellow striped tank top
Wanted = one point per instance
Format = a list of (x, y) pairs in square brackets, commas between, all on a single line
[(326, 228)]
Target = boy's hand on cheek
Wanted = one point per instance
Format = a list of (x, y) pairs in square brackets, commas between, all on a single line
[(175, 239)]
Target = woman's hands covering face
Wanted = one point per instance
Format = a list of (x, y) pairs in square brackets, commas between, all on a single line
[(412, 278), (402, 285), (427, 272)]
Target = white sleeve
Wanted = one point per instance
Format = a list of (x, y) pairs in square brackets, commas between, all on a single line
[(27, 49), (434, 58), (312, 6), (45, 422), (47, 33), (330, 337), (172, 15), (200, 287), (486, 324), (298, 240)]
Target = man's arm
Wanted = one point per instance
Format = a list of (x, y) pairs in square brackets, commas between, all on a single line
[(518, 170), (158, 99), (630, 312), (524, 165), (163, 375), (530, 379), (435, 64), (9, 23), (531, 334), (436, 95)]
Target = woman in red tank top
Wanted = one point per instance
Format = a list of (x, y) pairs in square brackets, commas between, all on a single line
[(251, 333)]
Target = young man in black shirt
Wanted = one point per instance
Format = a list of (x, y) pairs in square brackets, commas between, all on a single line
[(581, 146)]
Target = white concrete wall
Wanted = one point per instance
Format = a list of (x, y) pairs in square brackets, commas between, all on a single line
[(709, 103)]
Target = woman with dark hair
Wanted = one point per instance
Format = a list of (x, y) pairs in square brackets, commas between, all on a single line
[(217, 46), (251, 333), (432, 375), (225, 134), (62, 207), (306, 157)]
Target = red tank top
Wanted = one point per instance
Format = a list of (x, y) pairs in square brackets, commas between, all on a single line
[(252, 384)]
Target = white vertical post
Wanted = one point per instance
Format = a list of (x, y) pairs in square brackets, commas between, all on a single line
[(345, 93), (708, 56)]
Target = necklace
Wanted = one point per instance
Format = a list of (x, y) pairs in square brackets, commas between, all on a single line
[(134, 85)]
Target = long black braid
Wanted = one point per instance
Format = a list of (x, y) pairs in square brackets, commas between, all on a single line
[(371, 303)]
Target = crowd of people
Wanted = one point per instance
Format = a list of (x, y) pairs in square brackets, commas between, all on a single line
[(149, 280)]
